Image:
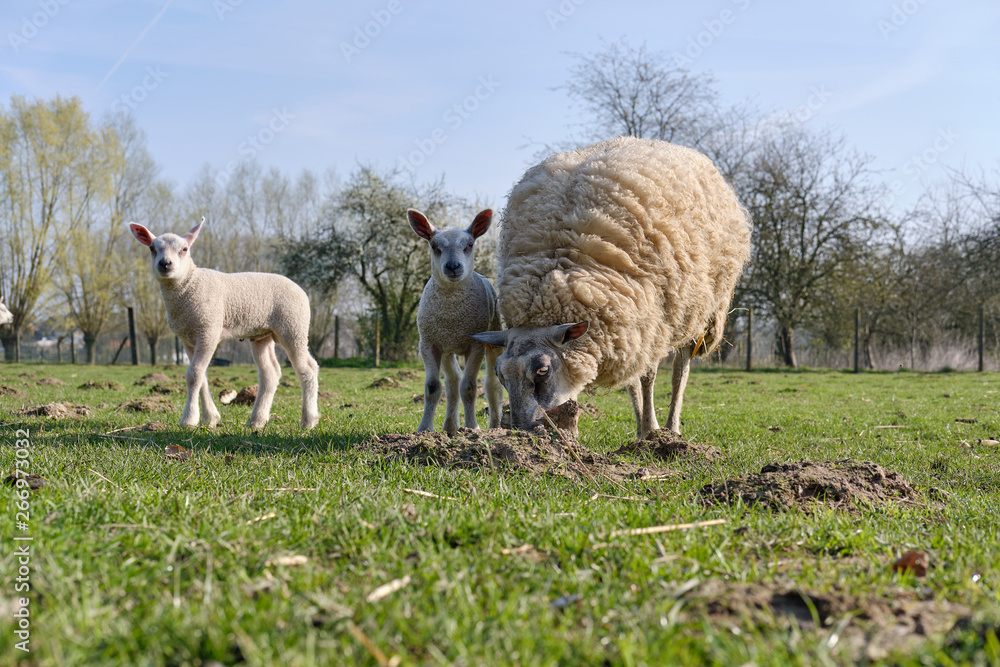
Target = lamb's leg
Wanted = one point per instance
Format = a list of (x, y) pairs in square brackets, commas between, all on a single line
[(432, 384), (635, 393), (268, 374), (470, 385), (494, 390), (682, 368), (307, 370), (197, 385), (452, 376)]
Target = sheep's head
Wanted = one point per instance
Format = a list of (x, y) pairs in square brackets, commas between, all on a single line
[(6, 317), (453, 250), (170, 253), (532, 369)]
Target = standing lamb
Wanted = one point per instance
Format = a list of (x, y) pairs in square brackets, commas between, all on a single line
[(636, 243), (6, 317), (205, 307), (455, 303)]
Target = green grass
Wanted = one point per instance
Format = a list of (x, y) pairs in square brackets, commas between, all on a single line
[(139, 560)]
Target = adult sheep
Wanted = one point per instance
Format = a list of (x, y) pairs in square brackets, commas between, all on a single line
[(611, 257)]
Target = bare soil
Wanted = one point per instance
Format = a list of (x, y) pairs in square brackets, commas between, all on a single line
[(47, 382), (148, 404), (153, 378), (668, 446), (101, 384), (872, 626), (59, 410), (7, 390), (246, 396), (841, 484), (537, 452)]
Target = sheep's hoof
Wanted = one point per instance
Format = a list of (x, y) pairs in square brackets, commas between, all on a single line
[(309, 422)]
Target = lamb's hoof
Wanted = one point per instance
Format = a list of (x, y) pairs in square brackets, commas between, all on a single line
[(309, 422), (256, 426)]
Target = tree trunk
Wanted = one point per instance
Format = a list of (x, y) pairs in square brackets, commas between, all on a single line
[(786, 345), (152, 349), (869, 357), (10, 347), (90, 342)]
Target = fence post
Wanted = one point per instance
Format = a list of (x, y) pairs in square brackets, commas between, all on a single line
[(72, 347), (177, 350), (857, 338), (982, 334), (336, 336), (750, 340), (131, 337), (378, 339)]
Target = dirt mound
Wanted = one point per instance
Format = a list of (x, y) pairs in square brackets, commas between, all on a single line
[(536, 452), (148, 404), (168, 388), (382, 383), (668, 446), (874, 626), (245, 396), (407, 375), (101, 384), (60, 410), (803, 484), (153, 378), (47, 382), (7, 390)]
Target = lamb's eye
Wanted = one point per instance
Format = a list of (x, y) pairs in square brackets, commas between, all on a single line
[(544, 370), (468, 248), (152, 250), (183, 250), (437, 251)]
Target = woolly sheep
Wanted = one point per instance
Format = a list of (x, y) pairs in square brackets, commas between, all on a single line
[(636, 243), (455, 303), (205, 307), (6, 317)]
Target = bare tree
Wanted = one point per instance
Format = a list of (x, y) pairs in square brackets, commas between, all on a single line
[(813, 204), (45, 183)]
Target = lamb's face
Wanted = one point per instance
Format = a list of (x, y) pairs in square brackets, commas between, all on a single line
[(453, 254), (170, 253), (532, 369), (453, 251), (6, 317), (171, 257)]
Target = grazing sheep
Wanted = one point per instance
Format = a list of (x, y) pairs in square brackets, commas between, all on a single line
[(205, 307), (6, 317), (456, 302), (634, 242)]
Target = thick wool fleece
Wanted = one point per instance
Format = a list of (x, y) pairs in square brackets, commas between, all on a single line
[(642, 238)]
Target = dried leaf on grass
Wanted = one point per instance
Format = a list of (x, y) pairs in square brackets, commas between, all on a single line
[(177, 453), (388, 589), (288, 561), (913, 561), (263, 517)]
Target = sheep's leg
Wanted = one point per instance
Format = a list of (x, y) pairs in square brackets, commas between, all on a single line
[(682, 368), (470, 385), (635, 393), (268, 374), (432, 384), (307, 370), (197, 386), (494, 390), (649, 423), (452, 376)]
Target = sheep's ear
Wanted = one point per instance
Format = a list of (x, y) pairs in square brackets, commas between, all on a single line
[(491, 338), (418, 223), (481, 223), (141, 234), (564, 333), (193, 232)]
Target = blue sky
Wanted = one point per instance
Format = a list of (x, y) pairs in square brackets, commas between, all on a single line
[(323, 85)]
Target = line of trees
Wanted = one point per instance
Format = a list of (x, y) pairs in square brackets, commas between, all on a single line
[(826, 239)]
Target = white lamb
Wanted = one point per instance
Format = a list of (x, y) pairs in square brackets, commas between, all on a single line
[(205, 307), (456, 303), (636, 243), (6, 317)]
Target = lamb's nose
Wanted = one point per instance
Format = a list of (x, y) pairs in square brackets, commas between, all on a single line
[(165, 264), (452, 267)]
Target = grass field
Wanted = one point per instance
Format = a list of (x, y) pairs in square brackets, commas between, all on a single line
[(271, 549)]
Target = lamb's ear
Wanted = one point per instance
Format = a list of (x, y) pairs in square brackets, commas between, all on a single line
[(418, 223), (141, 234), (491, 338), (192, 234), (481, 223), (564, 333)]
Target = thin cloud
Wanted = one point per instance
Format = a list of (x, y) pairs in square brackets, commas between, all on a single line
[(134, 44)]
